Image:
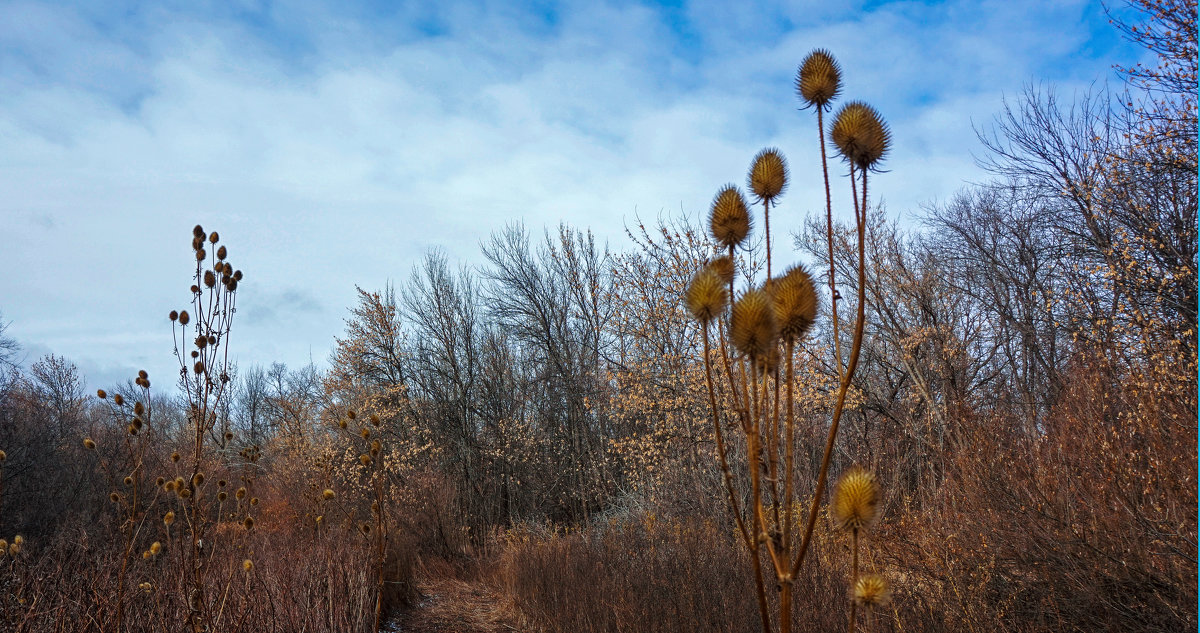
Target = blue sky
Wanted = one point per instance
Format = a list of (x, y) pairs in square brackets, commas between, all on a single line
[(332, 144)]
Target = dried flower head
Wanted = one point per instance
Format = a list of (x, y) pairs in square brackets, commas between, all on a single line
[(210, 279), (328, 494), (169, 517), (253, 501), (155, 548), (185, 493), (3, 456), (365, 459), (183, 318), (768, 175), (118, 399), (872, 590), (248, 523), (856, 499), (199, 367), (375, 419), (102, 394), (351, 414), (175, 456), (707, 295), (198, 232), (240, 494), (819, 79), (201, 254), (128, 481), (213, 237), (228, 435), (138, 408), (753, 330), (160, 482), (724, 268), (237, 275), (365, 433), (169, 486), (221, 496), (795, 299), (89, 444), (198, 480), (114, 497), (221, 483), (221, 253), (860, 134), (3, 546), (729, 217), (247, 565)]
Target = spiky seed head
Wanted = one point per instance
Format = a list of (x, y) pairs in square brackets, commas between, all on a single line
[(231, 285), (860, 135), (132, 429), (197, 243), (253, 501), (365, 433), (142, 374), (185, 493), (128, 481), (366, 528), (201, 254), (768, 175), (769, 363), (729, 218), (18, 540), (213, 237), (221, 496), (341, 424), (247, 565), (706, 296), (351, 414), (795, 299), (872, 590), (199, 367), (724, 268), (240, 494), (114, 497), (376, 447), (228, 435), (819, 79), (175, 456), (3, 456), (375, 419), (89, 444), (753, 330), (855, 502), (221, 483), (365, 459), (169, 517), (195, 354), (237, 275), (210, 279), (221, 253), (118, 399), (155, 548), (102, 394), (14, 548), (159, 482), (183, 318), (3, 546), (138, 408), (328, 494), (198, 480), (169, 486), (248, 523), (198, 231)]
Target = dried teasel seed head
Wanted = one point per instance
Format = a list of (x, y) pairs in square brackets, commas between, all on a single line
[(201, 254), (169, 486), (221, 496), (3, 546), (114, 497), (860, 135), (855, 502), (180, 482), (132, 429), (795, 300), (872, 590), (221, 483), (138, 408), (146, 555), (118, 399), (213, 237), (195, 354), (128, 481), (365, 459), (247, 565), (197, 243), (351, 414), (199, 367), (237, 275), (102, 394), (169, 517), (248, 523), (328, 494), (183, 318), (160, 481), (18, 540), (753, 330), (221, 253), (174, 316), (375, 419), (231, 285), (155, 548), (198, 232), (240, 494), (142, 374), (365, 433), (198, 480), (201, 341), (341, 424), (175, 456), (376, 447), (366, 528), (768, 175), (253, 501), (707, 295), (185, 493), (210, 279), (724, 268), (3, 456), (89, 444), (228, 435), (819, 79), (729, 218)]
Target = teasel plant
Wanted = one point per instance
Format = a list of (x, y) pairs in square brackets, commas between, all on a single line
[(201, 342), (757, 333)]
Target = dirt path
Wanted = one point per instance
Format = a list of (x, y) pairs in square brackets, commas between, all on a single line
[(449, 605)]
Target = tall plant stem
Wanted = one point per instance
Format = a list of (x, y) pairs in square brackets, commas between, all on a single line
[(854, 582), (833, 296)]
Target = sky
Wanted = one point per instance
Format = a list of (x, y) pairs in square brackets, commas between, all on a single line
[(332, 144)]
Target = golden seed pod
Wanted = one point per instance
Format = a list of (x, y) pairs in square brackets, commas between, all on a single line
[(3, 546), (240, 494), (159, 482), (133, 430), (237, 275), (18, 540), (142, 374), (376, 446), (768, 175), (856, 499), (723, 266), (795, 299), (221, 483), (328, 494), (706, 296), (175, 456), (198, 479), (860, 134), (180, 482), (365, 459), (341, 424), (118, 399), (183, 318), (169, 517), (198, 232), (729, 217), (210, 279), (214, 238), (201, 254), (753, 330), (169, 486), (89, 444), (819, 79), (249, 523), (872, 590), (197, 243), (114, 497), (221, 496), (375, 419), (247, 565), (155, 548), (253, 501), (102, 394), (128, 481), (228, 435), (366, 528), (351, 414), (146, 555), (221, 253), (3, 456), (365, 433), (14, 548), (199, 367), (185, 493), (138, 408)]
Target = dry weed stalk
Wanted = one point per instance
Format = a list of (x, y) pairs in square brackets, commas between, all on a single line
[(759, 331)]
